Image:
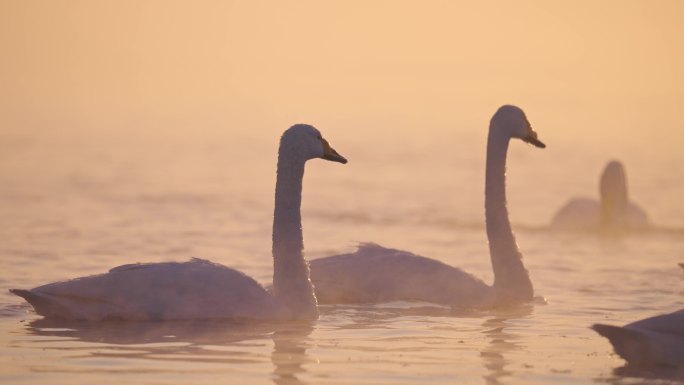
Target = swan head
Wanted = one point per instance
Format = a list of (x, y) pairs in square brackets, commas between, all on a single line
[(306, 142), (614, 179), (511, 120)]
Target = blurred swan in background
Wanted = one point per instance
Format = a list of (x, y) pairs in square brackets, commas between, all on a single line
[(655, 341), (377, 274), (200, 289), (612, 213)]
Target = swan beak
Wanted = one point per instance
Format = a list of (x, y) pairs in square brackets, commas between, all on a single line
[(329, 153), (531, 138)]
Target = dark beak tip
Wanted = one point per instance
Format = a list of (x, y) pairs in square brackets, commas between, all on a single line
[(340, 159), (535, 142), (335, 158)]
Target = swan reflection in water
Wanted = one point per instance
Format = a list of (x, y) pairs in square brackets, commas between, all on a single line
[(501, 342), (190, 342), (289, 354), (458, 330)]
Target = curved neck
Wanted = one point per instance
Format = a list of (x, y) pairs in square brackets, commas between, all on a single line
[(511, 279), (291, 284)]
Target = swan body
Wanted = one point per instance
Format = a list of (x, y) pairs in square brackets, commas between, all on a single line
[(377, 274), (200, 289), (612, 213), (155, 291), (585, 214), (655, 341)]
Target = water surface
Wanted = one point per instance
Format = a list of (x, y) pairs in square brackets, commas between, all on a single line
[(74, 204)]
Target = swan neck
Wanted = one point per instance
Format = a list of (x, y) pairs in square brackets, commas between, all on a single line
[(291, 283), (614, 199), (499, 231), (511, 279)]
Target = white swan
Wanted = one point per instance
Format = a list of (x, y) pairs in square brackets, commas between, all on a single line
[(376, 274), (199, 289), (655, 341), (612, 213)]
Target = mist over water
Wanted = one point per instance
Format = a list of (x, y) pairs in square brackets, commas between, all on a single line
[(148, 132), (79, 210)]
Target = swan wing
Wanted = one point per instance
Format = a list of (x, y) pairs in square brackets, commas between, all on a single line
[(375, 274), (196, 289)]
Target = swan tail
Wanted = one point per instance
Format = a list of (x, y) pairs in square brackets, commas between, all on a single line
[(628, 343), (43, 304)]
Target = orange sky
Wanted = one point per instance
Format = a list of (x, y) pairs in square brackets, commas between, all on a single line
[(582, 66)]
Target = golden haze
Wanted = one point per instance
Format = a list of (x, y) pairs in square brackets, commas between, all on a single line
[(583, 67)]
